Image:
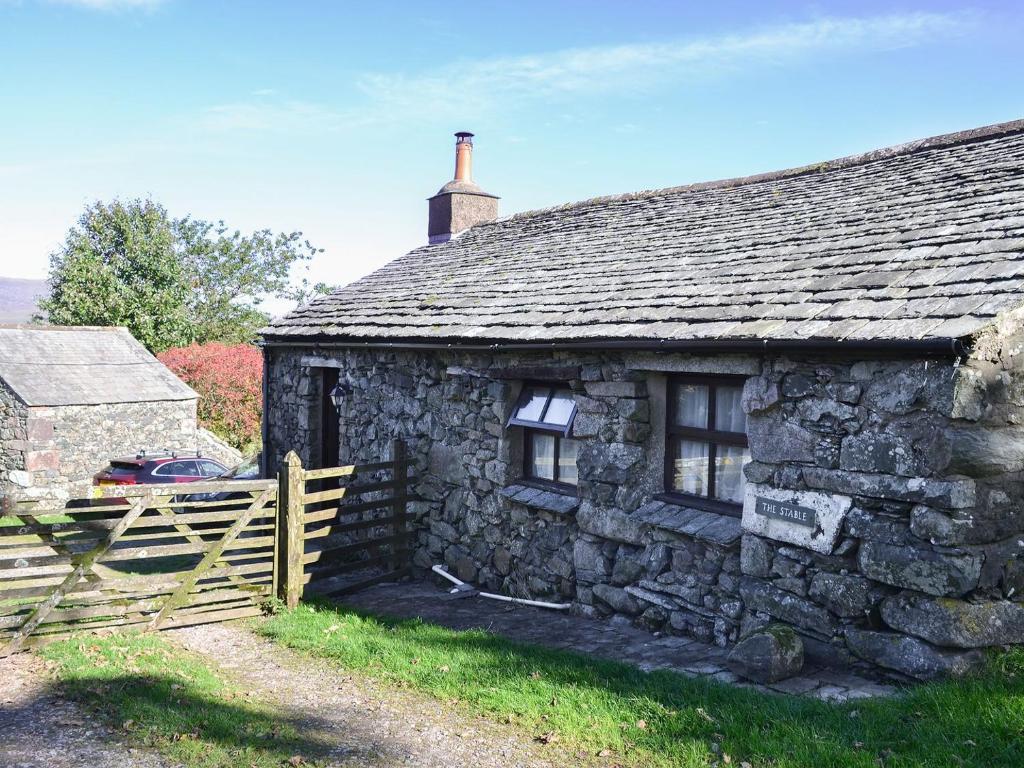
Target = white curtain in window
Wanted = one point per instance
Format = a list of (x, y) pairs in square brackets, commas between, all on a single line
[(692, 406), (729, 415), (567, 472), (729, 479), (543, 458), (690, 467)]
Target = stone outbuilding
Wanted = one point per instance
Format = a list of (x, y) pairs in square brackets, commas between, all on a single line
[(71, 398), (796, 398)]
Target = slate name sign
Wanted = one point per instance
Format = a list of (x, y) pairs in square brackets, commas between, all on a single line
[(780, 510)]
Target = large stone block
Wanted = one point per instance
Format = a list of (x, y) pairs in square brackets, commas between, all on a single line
[(617, 599), (982, 451), (948, 622), (948, 494), (904, 452), (948, 529), (910, 656), (766, 598), (755, 556), (760, 393), (774, 441), (609, 523), (37, 460), (843, 594), (769, 655), (616, 463), (39, 430), (925, 570), (616, 388), (829, 512), (589, 561)]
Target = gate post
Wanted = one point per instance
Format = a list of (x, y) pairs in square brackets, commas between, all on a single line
[(290, 530), (401, 463)]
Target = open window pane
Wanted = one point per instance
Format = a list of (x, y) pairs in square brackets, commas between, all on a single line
[(690, 467), (542, 456), (531, 403), (567, 451), (560, 410), (692, 405), (729, 479), (729, 415)]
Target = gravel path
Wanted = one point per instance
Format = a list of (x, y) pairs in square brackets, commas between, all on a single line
[(363, 723), (40, 729)]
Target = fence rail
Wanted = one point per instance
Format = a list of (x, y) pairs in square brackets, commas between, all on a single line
[(153, 557), (363, 526), (157, 556)]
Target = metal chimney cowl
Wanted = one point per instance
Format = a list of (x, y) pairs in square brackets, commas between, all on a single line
[(460, 204)]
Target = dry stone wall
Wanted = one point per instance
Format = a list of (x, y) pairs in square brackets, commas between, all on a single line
[(63, 446), (911, 470)]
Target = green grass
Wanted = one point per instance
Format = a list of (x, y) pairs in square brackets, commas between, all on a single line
[(9, 521), (169, 699), (663, 719)]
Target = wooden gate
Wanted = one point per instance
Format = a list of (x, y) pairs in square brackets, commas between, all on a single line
[(342, 521), (145, 557), (158, 556)]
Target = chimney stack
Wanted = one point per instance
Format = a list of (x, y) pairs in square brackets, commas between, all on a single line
[(460, 204)]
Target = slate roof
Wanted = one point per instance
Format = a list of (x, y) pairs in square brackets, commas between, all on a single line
[(83, 366), (920, 241)]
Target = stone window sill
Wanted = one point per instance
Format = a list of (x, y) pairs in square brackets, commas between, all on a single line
[(542, 498), (712, 527)]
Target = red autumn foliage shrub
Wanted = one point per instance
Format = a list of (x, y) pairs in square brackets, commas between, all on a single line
[(229, 382)]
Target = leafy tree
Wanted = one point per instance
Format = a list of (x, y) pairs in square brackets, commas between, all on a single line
[(172, 282), (229, 382), (119, 267)]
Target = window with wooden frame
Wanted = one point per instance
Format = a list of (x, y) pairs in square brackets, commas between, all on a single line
[(706, 442), (546, 412)]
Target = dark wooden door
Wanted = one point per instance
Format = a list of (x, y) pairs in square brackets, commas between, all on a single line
[(328, 419)]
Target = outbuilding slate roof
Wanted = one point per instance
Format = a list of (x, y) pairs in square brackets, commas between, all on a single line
[(83, 366), (915, 242)]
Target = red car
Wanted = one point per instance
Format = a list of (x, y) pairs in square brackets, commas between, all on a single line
[(161, 467)]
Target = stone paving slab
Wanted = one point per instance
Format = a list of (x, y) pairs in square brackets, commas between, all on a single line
[(614, 640)]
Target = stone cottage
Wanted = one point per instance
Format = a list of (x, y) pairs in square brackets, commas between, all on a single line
[(71, 398), (795, 397)]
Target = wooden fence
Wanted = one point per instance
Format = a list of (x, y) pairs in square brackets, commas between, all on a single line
[(145, 557), (342, 520), (158, 556)]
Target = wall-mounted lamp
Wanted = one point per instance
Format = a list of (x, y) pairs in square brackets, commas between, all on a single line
[(339, 393)]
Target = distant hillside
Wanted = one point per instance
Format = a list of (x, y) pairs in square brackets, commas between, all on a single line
[(18, 298)]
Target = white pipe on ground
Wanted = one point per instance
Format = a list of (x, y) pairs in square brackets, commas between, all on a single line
[(440, 571)]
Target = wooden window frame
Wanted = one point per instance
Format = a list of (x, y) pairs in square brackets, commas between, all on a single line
[(529, 433), (533, 428), (674, 433)]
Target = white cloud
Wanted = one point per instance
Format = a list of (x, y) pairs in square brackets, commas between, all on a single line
[(648, 65), (467, 89)]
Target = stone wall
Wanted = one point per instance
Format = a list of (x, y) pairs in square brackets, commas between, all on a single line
[(13, 435), (65, 445), (913, 466)]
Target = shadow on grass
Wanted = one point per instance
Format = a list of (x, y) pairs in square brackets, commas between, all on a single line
[(159, 712), (976, 722)]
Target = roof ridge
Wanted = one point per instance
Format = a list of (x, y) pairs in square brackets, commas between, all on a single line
[(49, 327), (862, 158)]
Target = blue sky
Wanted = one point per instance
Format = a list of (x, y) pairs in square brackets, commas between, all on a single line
[(335, 118)]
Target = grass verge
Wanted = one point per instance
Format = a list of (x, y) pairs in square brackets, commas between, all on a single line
[(161, 696), (633, 718)]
